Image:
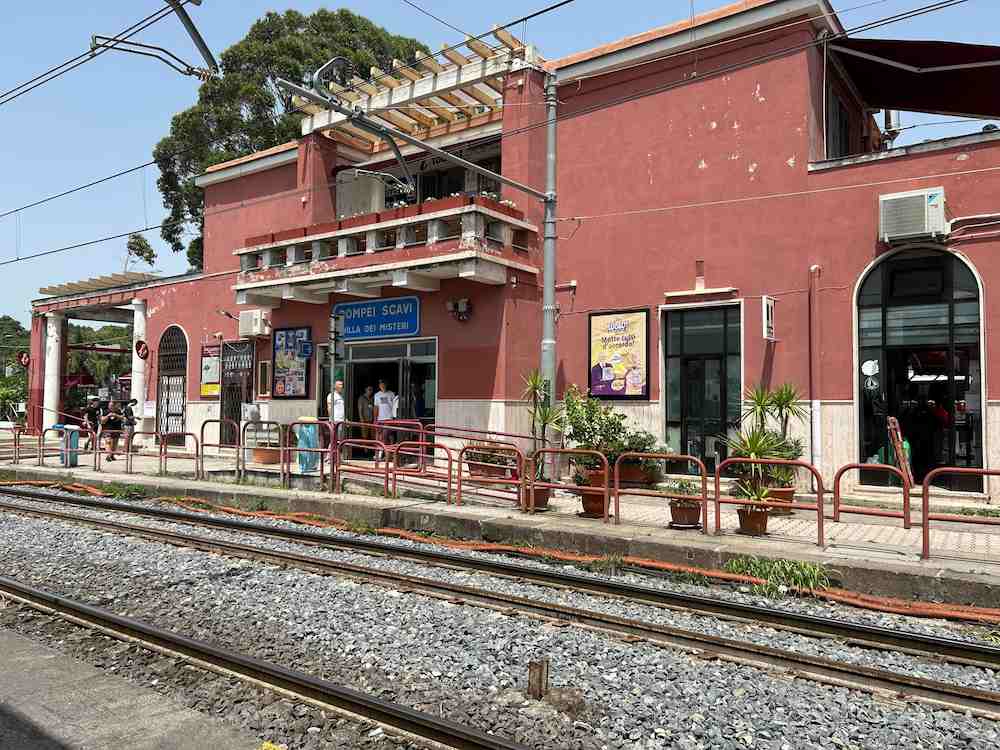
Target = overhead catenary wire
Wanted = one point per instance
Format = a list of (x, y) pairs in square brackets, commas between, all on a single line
[(297, 110), (75, 62), (867, 26)]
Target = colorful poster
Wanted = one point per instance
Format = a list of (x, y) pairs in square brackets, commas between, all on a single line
[(619, 355), (291, 368), (211, 368)]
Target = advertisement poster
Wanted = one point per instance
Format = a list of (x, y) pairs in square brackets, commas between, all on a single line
[(211, 367), (291, 369), (619, 355)]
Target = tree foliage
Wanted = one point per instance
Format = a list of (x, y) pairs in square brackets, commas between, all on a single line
[(138, 248), (13, 378), (242, 110)]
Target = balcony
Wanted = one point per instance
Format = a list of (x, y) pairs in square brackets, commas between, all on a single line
[(455, 237)]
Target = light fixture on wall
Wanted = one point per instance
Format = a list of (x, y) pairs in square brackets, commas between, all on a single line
[(460, 309)]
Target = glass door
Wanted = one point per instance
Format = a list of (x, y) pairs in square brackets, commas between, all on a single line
[(702, 409)]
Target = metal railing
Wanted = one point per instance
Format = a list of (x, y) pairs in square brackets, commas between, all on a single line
[(533, 484), (290, 452), (270, 427), (422, 470), (858, 510), (927, 516), (166, 454), (506, 476), (205, 445), (665, 457), (130, 450), (341, 467), (817, 506), (65, 452)]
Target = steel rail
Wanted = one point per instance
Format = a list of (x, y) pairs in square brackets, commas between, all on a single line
[(394, 716), (939, 647), (828, 671)]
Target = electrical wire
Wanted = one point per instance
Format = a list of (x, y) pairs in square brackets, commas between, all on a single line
[(436, 18), (75, 62)]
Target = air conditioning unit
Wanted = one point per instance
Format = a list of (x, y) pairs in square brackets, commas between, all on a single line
[(253, 323), (912, 215)]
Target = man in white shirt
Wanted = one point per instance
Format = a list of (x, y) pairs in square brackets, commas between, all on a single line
[(385, 409), (335, 402)]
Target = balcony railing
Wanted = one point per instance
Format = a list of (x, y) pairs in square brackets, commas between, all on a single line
[(457, 222)]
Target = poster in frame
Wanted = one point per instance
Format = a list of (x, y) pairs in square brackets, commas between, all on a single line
[(290, 372), (618, 354)]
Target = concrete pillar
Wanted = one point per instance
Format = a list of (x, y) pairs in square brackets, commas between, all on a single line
[(138, 365), (53, 368), (317, 165)]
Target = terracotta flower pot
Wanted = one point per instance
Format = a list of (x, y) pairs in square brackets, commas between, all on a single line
[(267, 455), (489, 471), (753, 520), (542, 495), (683, 514), (634, 475), (781, 495)]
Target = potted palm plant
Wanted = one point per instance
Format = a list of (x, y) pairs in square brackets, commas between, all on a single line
[(784, 404), (544, 417), (756, 443)]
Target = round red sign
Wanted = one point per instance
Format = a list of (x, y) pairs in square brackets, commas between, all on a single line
[(23, 359), (141, 349)]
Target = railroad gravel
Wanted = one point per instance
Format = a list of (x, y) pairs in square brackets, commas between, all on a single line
[(984, 679), (467, 662), (272, 717)]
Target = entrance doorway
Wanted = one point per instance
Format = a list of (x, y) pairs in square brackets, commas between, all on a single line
[(919, 360), (171, 385), (237, 386), (409, 369), (703, 378)]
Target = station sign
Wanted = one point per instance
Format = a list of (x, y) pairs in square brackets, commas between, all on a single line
[(392, 318)]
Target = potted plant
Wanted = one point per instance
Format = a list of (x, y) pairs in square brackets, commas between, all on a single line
[(592, 425), (489, 459), (685, 505), (544, 417), (757, 442), (753, 516), (455, 200)]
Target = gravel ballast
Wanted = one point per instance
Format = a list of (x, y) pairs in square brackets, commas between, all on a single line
[(467, 663)]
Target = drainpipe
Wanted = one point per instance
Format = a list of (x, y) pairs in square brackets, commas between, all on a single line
[(549, 244), (815, 416)]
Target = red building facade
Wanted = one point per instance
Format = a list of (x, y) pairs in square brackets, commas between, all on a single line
[(722, 176)]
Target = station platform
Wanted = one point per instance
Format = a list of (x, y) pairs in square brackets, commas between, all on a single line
[(50, 701), (862, 553)]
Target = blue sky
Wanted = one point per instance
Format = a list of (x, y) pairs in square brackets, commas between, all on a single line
[(108, 114)]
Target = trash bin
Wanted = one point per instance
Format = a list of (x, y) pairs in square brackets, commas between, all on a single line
[(307, 436), (69, 453)]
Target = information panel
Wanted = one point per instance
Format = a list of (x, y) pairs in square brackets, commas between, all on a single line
[(291, 369), (619, 355), (394, 318)]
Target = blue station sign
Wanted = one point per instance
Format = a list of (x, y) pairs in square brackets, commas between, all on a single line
[(394, 318)]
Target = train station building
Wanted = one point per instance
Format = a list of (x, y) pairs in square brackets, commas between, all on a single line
[(732, 211)]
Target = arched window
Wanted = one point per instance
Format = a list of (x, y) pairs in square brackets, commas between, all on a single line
[(171, 382), (919, 361)]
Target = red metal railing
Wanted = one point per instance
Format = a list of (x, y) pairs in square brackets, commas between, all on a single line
[(166, 454), (533, 483), (665, 457), (817, 506), (205, 445), (927, 516), (341, 467), (422, 470), (110, 438), (857, 510), (130, 450), (507, 476), (16, 432), (289, 451), (63, 450)]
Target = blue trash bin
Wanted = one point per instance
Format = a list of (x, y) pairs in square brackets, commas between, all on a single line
[(69, 453), (307, 437)]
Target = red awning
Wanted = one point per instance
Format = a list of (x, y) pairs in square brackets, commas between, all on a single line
[(945, 78)]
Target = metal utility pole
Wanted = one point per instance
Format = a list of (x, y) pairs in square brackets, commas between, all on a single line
[(549, 244), (193, 32), (361, 120)]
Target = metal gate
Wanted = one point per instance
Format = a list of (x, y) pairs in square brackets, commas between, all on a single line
[(237, 385), (171, 387)]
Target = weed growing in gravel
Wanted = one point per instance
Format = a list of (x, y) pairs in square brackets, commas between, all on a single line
[(6, 475), (610, 565), (989, 635), (985, 512), (126, 493), (271, 746), (691, 579), (361, 527), (261, 505), (780, 575)]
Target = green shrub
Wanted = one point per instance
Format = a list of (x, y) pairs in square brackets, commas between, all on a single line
[(780, 575)]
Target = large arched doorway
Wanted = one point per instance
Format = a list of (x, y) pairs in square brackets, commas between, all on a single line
[(919, 360), (171, 383)]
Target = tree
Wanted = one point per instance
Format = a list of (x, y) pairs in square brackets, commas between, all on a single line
[(138, 248), (242, 110)]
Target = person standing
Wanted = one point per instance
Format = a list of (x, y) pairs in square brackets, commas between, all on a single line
[(385, 409), (111, 425), (92, 420), (335, 403), (128, 415), (366, 411)]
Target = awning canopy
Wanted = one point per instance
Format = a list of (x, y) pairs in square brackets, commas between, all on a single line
[(945, 78)]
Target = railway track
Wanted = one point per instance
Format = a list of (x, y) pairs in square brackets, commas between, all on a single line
[(828, 671), (297, 685)]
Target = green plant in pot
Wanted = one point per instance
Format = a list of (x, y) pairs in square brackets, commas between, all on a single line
[(490, 459), (685, 504), (595, 426), (546, 418), (755, 443)]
